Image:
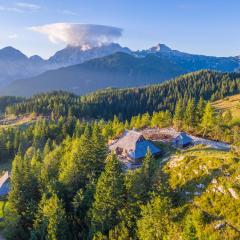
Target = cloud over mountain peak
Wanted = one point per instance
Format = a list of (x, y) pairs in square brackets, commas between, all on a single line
[(75, 34)]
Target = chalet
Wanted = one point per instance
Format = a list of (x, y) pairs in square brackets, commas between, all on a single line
[(182, 140), (4, 184), (133, 146)]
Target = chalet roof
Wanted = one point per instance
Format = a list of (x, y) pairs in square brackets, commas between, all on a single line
[(183, 138), (127, 141), (4, 184), (134, 144), (142, 148)]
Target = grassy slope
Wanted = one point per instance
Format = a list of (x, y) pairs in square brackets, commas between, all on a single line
[(201, 178), (229, 103), (12, 121)]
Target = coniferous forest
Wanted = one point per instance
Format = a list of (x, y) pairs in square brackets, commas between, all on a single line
[(65, 184), (119, 120)]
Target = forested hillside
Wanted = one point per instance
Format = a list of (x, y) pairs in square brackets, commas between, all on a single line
[(74, 190), (126, 103), (65, 184)]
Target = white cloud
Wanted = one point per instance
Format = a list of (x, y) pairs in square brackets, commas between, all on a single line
[(20, 7), (10, 9), (27, 6), (76, 34), (13, 36)]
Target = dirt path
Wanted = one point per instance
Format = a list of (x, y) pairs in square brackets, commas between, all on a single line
[(213, 144)]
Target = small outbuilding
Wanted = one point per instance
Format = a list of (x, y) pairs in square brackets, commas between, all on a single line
[(182, 140)]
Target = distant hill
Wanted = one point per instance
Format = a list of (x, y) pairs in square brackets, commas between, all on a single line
[(15, 65), (126, 103), (119, 70), (193, 62)]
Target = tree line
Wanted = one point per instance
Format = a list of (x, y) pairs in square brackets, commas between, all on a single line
[(126, 103), (198, 118)]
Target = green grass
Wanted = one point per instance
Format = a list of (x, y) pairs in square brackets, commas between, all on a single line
[(231, 103), (197, 176)]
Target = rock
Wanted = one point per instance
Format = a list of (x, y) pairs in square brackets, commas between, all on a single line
[(214, 181), (220, 225), (195, 171), (221, 189), (201, 186), (233, 193)]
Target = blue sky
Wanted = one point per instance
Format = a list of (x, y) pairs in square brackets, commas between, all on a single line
[(210, 27)]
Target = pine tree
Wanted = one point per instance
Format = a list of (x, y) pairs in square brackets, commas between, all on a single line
[(109, 197), (24, 195), (99, 146), (200, 110), (145, 120), (189, 115), (51, 221), (83, 160), (178, 116), (228, 117), (208, 119), (47, 147), (148, 169), (155, 220)]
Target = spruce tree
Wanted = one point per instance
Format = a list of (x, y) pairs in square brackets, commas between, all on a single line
[(155, 220), (109, 197), (24, 195), (148, 169), (51, 221), (200, 110), (178, 116), (189, 115), (208, 119)]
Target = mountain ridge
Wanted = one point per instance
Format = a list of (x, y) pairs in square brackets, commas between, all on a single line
[(21, 67), (117, 70)]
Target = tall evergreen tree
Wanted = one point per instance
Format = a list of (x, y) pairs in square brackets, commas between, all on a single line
[(189, 115), (51, 221), (148, 169), (155, 220), (208, 119), (178, 116), (200, 110), (24, 195), (109, 197)]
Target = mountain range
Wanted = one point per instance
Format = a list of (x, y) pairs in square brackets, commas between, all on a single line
[(80, 71), (15, 65)]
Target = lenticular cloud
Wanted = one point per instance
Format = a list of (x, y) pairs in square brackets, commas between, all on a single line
[(76, 34)]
